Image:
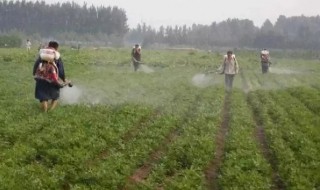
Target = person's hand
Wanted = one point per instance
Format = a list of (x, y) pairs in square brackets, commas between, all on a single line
[(60, 85), (68, 82)]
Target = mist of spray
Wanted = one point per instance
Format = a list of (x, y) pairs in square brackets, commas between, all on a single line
[(146, 69), (112, 96), (81, 95), (202, 80), (275, 81), (282, 71), (70, 95)]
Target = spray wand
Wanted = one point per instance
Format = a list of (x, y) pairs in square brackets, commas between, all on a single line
[(137, 61), (216, 71)]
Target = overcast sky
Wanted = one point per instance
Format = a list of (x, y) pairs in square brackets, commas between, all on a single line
[(179, 12)]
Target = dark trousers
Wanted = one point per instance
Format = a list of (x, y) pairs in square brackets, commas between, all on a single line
[(46, 91), (264, 67), (136, 65), (228, 81)]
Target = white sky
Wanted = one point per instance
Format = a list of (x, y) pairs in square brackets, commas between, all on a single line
[(179, 12)]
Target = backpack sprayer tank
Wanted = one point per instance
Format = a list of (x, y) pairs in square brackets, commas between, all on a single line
[(49, 54)]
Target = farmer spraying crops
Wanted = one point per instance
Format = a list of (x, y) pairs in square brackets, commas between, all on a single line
[(136, 56), (229, 68), (265, 60), (47, 70)]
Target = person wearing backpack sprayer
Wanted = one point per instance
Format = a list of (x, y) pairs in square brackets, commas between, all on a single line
[(48, 68), (265, 61), (229, 68), (136, 56)]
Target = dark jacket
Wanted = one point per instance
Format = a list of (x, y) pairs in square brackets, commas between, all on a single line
[(136, 54)]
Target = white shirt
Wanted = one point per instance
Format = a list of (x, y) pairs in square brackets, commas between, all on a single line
[(28, 44), (231, 66)]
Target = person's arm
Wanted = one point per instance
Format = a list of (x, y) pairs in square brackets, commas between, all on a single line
[(269, 61), (60, 66), (222, 66), (36, 65), (139, 55), (133, 57), (236, 65)]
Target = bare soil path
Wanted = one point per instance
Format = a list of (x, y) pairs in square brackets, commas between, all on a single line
[(212, 171)]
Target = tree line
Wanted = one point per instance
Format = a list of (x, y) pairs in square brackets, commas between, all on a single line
[(52, 19), (74, 20), (298, 32)]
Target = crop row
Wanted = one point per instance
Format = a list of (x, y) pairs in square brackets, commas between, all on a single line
[(183, 164), (244, 166), (114, 170), (43, 150), (292, 138), (309, 96)]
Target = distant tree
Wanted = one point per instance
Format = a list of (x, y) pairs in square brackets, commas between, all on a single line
[(269, 40), (267, 27), (51, 19), (292, 32)]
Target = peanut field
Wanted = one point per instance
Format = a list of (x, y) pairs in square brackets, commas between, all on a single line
[(167, 126)]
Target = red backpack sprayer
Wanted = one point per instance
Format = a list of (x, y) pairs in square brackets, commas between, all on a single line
[(48, 70)]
